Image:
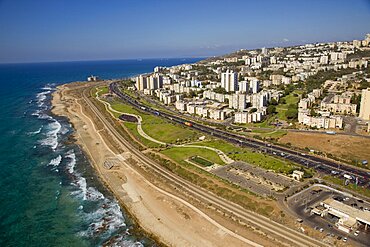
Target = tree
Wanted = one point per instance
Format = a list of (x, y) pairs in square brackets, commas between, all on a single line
[(313, 113), (220, 90), (271, 109), (292, 112), (282, 101), (273, 102), (253, 110)]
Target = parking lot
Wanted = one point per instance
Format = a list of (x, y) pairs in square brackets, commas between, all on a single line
[(302, 204), (255, 179)]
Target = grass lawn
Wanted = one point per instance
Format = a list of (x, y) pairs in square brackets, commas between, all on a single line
[(201, 161), (282, 108), (179, 154), (132, 127), (102, 90), (353, 187), (268, 133), (254, 158), (157, 127)]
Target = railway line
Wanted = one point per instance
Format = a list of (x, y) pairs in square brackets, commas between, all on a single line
[(267, 225), (310, 161)]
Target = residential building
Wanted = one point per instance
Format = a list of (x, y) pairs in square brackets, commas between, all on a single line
[(365, 104), (229, 81)]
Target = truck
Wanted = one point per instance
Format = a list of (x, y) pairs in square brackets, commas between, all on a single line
[(188, 124)]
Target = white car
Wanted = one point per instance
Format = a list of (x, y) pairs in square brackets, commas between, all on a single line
[(345, 239), (356, 233)]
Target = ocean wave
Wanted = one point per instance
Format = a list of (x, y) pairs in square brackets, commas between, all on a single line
[(120, 241), (49, 86), (71, 164), (52, 135), (107, 219), (35, 132), (41, 97), (107, 216), (56, 161)]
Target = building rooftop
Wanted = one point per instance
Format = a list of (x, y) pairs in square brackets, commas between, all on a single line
[(363, 216)]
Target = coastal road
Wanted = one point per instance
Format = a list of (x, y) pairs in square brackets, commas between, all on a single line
[(320, 164), (267, 225)]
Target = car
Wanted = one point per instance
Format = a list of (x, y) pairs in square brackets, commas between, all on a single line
[(321, 229), (316, 228), (356, 233), (339, 237), (345, 239)]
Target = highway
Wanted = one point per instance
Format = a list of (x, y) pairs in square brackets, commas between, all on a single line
[(310, 161), (265, 224)]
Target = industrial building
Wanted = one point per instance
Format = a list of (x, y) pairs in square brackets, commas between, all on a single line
[(349, 217)]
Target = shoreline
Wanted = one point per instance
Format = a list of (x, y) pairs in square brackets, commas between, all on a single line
[(136, 229), (163, 218)]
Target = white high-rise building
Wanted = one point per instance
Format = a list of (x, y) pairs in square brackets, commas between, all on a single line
[(264, 51), (238, 101), (141, 83), (365, 104), (229, 81), (324, 59), (243, 86), (255, 85)]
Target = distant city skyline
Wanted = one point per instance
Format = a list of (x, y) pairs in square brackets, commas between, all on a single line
[(43, 31)]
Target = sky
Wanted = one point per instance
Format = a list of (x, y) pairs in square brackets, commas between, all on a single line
[(72, 30)]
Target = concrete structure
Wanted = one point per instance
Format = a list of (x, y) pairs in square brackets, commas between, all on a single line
[(365, 104), (297, 175), (229, 81), (255, 86), (246, 117), (141, 83), (348, 216)]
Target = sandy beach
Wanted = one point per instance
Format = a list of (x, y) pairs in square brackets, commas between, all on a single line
[(170, 219)]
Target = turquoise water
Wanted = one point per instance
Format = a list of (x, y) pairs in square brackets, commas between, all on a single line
[(49, 194)]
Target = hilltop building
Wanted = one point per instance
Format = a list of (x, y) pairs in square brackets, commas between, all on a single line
[(229, 81)]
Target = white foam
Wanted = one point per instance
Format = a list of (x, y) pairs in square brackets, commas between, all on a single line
[(41, 97), (56, 161), (71, 165), (52, 135), (105, 220), (35, 132)]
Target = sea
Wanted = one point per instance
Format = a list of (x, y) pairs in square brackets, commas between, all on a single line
[(49, 193)]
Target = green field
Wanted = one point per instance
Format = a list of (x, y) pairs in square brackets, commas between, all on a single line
[(270, 133), (254, 158), (157, 127), (282, 108), (132, 127), (203, 162), (102, 90), (180, 154)]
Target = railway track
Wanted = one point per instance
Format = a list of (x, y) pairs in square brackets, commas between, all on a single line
[(267, 225)]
